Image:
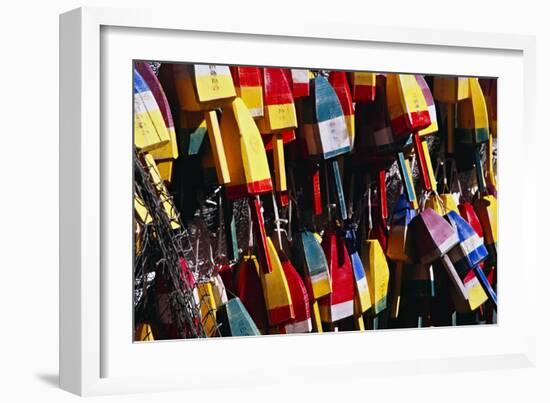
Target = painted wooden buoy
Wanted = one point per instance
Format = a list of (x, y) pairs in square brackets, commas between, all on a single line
[(249, 290), (278, 299), (205, 88), (339, 303), (165, 155), (434, 237), (279, 116), (473, 126), (235, 321), (313, 266), (247, 166), (378, 273), (472, 117), (473, 253), (466, 257), (300, 298), (409, 113), (363, 86), (407, 105), (325, 131), (202, 87), (314, 263), (170, 150), (339, 82), (246, 157), (248, 85), (279, 109), (150, 131), (324, 124)]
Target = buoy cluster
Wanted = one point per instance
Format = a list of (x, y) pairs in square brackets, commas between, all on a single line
[(280, 200)]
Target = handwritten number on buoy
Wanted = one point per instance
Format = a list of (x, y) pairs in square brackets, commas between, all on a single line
[(214, 82)]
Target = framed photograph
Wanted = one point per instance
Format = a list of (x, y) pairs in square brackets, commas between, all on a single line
[(289, 201)]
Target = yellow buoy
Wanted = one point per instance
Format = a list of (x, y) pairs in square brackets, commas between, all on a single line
[(150, 131), (205, 88), (165, 168), (378, 273), (246, 157)]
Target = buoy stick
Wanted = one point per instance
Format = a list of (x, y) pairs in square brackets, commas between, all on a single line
[(258, 220)]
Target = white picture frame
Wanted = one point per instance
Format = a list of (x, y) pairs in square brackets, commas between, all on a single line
[(97, 355)]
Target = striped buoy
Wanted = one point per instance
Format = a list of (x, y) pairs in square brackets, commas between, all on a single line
[(473, 126), (340, 84), (170, 150), (279, 110), (363, 86), (248, 84), (339, 303), (434, 237), (150, 131), (324, 125), (278, 299), (300, 299), (465, 256)]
